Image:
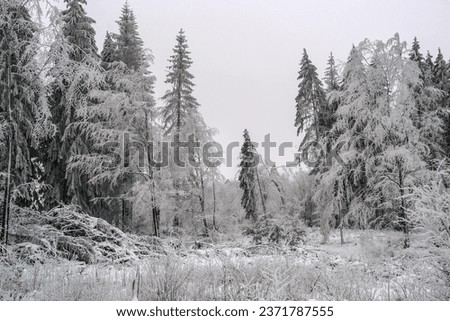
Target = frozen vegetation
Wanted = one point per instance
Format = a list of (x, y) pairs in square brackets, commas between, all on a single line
[(365, 215), (82, 259)]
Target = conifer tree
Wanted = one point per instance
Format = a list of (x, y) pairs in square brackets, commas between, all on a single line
[(328, 117), (108, 53), (78, 30), (429, 61), (332, 89), (426, 101), (248, 177), (130, 47), (179, 103), (127, 113), (384, 153), (311, 102), (440, 73), (441, 80), (331, 75), (77, 56), (20, 88), (340, 185), (416, 55)]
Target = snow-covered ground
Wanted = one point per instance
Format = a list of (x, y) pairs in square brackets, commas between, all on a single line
[(371, 265)]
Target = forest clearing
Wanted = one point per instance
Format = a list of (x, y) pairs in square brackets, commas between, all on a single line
[(371, 265), (116, 185)]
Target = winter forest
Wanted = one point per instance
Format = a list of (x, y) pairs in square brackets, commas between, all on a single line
[(109, 192)]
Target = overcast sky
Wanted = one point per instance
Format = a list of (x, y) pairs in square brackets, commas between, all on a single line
[(246, 53)]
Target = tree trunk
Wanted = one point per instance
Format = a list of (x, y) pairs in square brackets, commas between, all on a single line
[(202, 204), (7, 196), (260, 192), (156, 211), (156, 218), (403, 216), (214, 205), (283, 202), (123, 214)]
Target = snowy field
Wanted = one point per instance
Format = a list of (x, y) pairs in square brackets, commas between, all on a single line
[(372, 265)]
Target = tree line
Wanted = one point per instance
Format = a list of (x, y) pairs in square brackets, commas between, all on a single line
[(386, 110), (63, 100)]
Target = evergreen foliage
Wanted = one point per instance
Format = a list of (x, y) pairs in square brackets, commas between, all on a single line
[(247, 177), (130, 47), (179, 104), (23, 114), (75, 73), (310, 101)]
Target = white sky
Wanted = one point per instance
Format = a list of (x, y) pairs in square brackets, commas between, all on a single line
[(246, 53)]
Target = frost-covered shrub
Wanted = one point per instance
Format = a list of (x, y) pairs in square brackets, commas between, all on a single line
[(68, 233), (430, 215), (278, 228)]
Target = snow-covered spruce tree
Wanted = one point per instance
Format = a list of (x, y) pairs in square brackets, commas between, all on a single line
[(384, 154), (178, 112), (78, 30), (138, 112), (333, 89), (108, 53), (130, 47), (327, 139), (179, 103), (441, 80), (22, 114), (200, 174), (336, 185), (248, 177), (429, 63), (425, 74), (75, 72), (416, 55), (310, 102), (328, 115), (125, 112), (426, 98)]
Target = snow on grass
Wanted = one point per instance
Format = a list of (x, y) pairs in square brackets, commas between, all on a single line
[(370, 266)]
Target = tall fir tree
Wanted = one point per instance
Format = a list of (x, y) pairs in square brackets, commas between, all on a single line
[(310, 102), (340, 185), (179, 103), (130, 47), (20, 86), (441, 80), (416, 55), (328, 116), (68, 95), (126, 63), (331, 79), (78, 30), (429, 61), (108, 53), (248, 177), (332, 82), (426, 102)]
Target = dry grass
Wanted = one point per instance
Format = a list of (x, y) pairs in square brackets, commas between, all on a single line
[(367, 268)]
